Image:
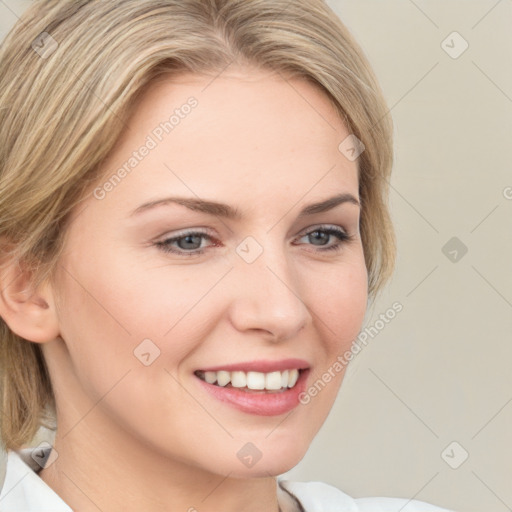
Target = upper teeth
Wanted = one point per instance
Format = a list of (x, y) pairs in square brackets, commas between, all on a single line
[(253, 380)]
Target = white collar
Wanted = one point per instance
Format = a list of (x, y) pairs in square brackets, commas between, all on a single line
[(25, 491)]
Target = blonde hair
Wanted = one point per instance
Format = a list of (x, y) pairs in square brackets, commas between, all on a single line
[(72, 71)]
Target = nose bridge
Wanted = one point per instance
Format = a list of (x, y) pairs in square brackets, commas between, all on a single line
[(269, 295)]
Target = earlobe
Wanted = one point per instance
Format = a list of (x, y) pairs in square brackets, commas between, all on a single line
[(30, 313)]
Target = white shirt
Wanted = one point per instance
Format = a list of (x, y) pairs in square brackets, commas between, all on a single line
[(25, 491)]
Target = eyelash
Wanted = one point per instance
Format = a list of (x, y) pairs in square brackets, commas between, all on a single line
[(343, 238)]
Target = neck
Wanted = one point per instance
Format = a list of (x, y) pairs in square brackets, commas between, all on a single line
[(114, 471)]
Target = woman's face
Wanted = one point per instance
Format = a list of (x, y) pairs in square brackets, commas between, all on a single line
[(242, 273)]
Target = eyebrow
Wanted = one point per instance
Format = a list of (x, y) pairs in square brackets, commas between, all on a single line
[(228, 212)]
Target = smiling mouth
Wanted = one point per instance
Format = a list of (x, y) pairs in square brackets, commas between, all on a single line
[(273, 382)]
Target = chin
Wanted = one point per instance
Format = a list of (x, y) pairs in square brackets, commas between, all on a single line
[(265, 469), (276, 459)]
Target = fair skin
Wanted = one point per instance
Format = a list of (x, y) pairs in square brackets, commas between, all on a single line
[(133, 437)]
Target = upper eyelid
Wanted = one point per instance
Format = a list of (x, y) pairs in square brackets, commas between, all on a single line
[(206, 231)]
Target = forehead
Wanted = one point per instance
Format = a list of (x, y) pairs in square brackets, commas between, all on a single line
[(246, 132)]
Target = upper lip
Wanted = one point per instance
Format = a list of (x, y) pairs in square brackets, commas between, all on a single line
[(263, 366)]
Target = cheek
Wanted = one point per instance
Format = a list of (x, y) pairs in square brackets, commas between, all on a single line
[(340, 301), (98, 344), (341, 304), (114, 305), (173, 305), (105, 316)]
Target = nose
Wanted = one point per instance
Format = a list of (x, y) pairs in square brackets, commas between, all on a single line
[(267, 297)]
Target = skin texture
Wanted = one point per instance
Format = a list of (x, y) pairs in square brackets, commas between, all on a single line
[(136, 437)]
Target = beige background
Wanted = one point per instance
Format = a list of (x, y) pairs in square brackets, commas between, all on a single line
[(440, 371)]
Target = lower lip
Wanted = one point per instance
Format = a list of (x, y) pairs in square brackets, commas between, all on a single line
[(260, 403)]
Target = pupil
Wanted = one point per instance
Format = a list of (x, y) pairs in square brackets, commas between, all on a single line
[(319, 236), (190, 239)]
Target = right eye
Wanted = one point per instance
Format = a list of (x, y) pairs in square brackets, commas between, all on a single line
[(186, 244)]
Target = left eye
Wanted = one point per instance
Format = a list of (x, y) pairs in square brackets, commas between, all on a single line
[(322, 235), (190, 244)]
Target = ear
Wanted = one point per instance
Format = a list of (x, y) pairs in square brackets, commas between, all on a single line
[(30, 313)]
